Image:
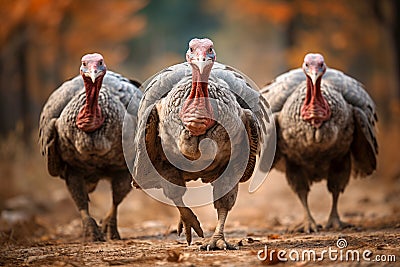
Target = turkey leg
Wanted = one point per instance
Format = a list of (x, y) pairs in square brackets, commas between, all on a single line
[(188, 219), (308, 225), (120, 188), (77, 188), (223, 206), (299, 184), (338, 178), (334, 220)]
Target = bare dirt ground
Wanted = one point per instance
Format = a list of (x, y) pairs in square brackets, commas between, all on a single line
[(46, 230)]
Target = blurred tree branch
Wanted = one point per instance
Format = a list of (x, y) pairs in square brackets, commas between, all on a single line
[(347, 33), (388, 15), (41, 42)]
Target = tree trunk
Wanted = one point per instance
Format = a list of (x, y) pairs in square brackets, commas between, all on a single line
[(25, 95), (391, 22), (15, 97)]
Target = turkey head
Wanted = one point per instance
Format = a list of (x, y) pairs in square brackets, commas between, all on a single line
[(197, 112), (93, 69), (315, 109)]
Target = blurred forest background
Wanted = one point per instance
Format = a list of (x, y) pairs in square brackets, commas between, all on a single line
[(42, 41)]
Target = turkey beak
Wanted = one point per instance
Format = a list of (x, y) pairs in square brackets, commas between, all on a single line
[(202, 62), (201, 65), (314, 76), (94, 73)]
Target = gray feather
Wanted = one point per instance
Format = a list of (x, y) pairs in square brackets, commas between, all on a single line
[(168, 89), (352, 122), (60, 139)]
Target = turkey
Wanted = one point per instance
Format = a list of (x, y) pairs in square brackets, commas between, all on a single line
[(80, 135), (325, 123), (185, 105)]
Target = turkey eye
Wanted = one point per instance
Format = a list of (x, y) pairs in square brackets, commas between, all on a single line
[(210, 50), (84, 64), (101, 63), (321, 65), (191, 49), (307, 65)]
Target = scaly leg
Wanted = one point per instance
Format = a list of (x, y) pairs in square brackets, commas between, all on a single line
[(77, 188), (121, 186), (338, 178), (308, 225), (334, 221), (298, 181), (188, 221), (223, 206), (174, 189)]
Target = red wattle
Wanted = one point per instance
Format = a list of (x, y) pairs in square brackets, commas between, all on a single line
[(90, 117), (315, 108), (197, 113)]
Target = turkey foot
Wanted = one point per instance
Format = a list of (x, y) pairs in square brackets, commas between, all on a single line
[(307, 226), (109, 228), (189, 221), (218, 244), (92, 231), (218, 240), (335, 223)]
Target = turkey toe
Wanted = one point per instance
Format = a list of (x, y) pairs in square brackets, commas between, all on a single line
[(189, 221), (336, 224), (218, 244), (109, 228), (307, 226), (92, 231)]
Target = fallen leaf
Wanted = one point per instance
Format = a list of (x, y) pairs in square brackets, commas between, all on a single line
[(274, 236), (174, 255)]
